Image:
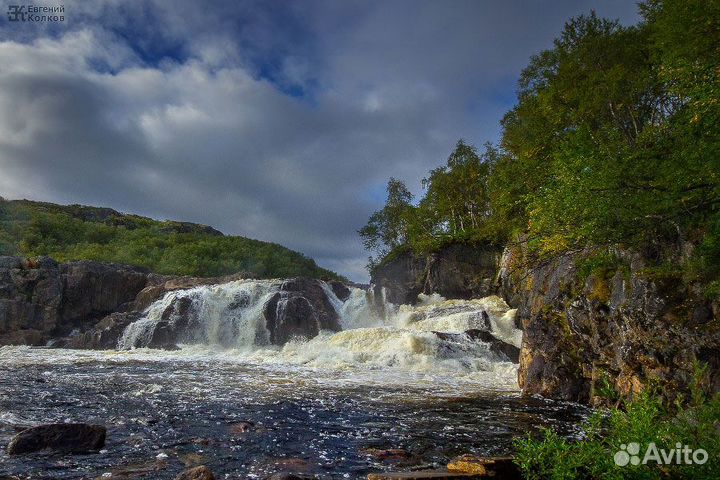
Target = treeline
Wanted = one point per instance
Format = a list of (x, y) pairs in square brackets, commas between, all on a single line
[(76, 232), (614, 140)]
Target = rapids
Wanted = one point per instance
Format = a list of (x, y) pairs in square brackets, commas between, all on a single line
[(376, 335), (317, 406)]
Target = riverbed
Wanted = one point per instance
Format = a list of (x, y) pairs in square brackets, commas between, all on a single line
[(246, 417)]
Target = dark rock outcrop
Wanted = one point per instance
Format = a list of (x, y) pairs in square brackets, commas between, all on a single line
[(502, 349), (41, 300), (92, 290), (457, 271), (340, 290), (59, 437), (300, 309), (626, 327), (104, 335)]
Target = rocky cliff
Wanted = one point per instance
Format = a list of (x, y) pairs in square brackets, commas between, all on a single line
[(41, 300), (613, 331), (457, 271)]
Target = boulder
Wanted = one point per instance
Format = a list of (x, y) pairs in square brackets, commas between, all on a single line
[(503, 349), (341, 291), (59, 437), (422, 475), (497, 346), (497, 467), (104, 335), (300, 309)]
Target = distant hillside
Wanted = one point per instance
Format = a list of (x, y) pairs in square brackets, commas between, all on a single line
[(76, 232)]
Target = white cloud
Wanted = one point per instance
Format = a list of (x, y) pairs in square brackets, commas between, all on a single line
[(187, 117)]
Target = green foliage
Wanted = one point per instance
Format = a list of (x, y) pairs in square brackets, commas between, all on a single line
[(455, 207), (644, 420), (388, 229), (87, 233), (614, 140), (603, 263)]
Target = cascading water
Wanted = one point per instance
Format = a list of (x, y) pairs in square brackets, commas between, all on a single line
[(228, 315), (231, 316)]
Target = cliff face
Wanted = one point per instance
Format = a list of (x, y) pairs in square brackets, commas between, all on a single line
[(41, 299), (625, 329), (457, 271), (584, 335)]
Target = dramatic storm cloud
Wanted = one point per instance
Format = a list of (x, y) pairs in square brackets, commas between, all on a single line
[(275, 120)]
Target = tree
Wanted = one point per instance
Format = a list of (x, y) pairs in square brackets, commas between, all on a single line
[(388, 228)]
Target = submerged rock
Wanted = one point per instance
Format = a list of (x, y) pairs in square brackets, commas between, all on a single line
[(340, 290), (241, 427), (290, 476), (60, 437), (196, 473)]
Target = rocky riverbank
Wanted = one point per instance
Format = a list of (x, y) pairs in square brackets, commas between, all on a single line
[(610, 332)]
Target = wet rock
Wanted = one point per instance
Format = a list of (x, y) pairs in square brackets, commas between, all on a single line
[(497, 467), (389, 454), (497, 346), (422, 475), (300, 309), (340, 290), (136, 470), (159, 285), (103, 335), (292, 465), (196, 473), (191, 459), (60, 437)]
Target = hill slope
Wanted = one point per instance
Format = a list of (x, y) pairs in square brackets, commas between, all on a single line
[(77, 232)]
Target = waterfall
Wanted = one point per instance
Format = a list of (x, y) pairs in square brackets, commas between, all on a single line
[(229, 315), (427, 337)]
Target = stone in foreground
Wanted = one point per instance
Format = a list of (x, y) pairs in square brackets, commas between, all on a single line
[(58, 437), (422, 475), (197, 473), (499, 467)]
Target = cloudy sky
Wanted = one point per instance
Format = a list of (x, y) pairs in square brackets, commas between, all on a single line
[(277, 120)]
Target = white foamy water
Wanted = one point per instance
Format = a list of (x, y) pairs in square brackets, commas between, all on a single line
[(226, 322)]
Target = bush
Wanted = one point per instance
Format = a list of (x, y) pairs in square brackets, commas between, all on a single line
[(644, 420)]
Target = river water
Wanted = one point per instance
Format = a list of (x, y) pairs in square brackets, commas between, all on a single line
[(324, 407)]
